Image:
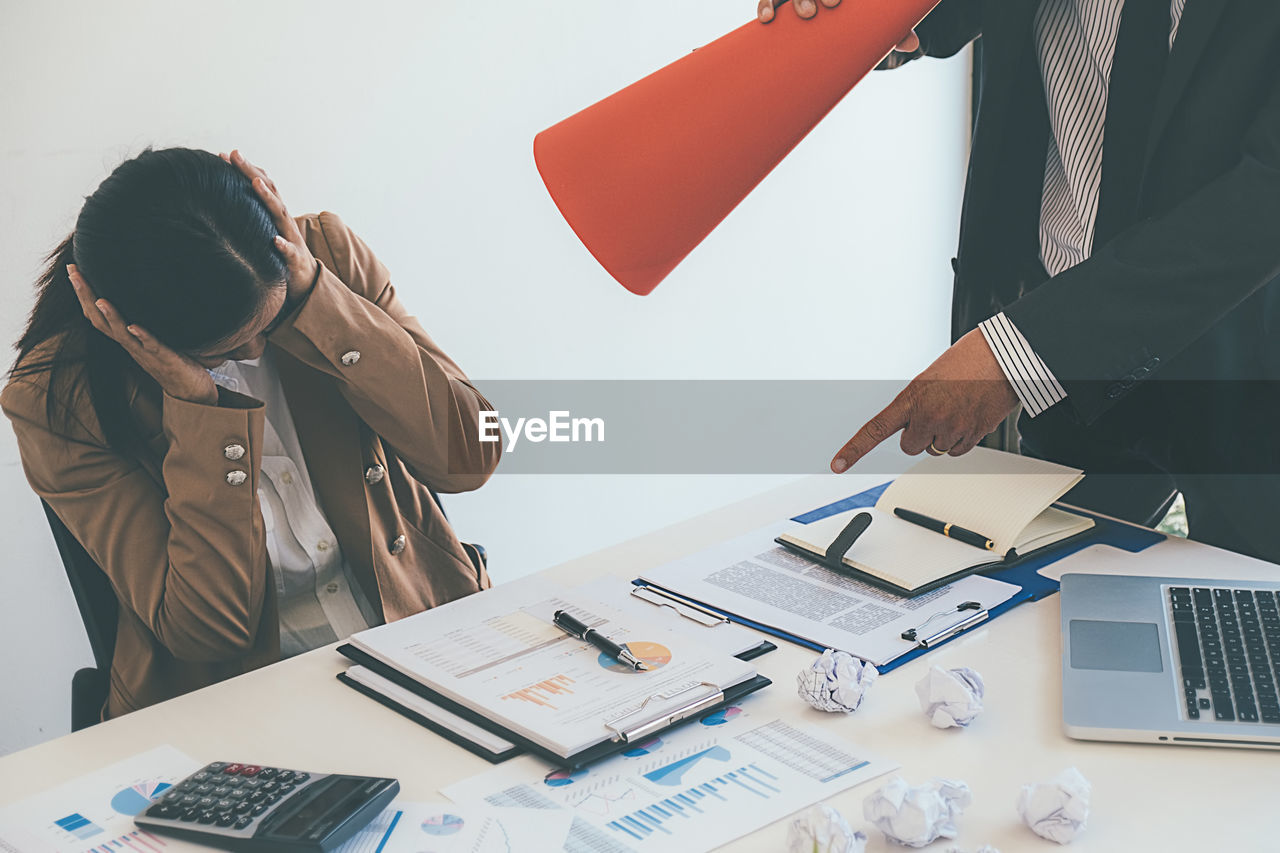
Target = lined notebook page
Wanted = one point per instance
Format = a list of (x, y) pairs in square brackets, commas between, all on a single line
[(993, 493), (894, 550)]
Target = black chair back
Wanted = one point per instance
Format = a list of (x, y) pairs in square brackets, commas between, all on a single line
[(99, 612)]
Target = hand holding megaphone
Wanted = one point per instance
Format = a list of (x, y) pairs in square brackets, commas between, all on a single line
[(808, 8)]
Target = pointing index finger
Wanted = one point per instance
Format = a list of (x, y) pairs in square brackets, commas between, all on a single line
[(891, 419)]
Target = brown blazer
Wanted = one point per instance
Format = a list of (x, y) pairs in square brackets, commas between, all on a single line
[(185, 550)]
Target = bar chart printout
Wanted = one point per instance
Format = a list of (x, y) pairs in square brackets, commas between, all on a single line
[(94, 813), (700, 787)]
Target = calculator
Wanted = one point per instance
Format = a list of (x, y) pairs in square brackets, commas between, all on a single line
[(252, 808)]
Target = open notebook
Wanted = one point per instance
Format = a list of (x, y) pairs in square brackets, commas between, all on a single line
[(1002, 496)]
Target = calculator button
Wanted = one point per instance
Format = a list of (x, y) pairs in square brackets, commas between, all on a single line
[(215, 767), (163, 811), (221, 790), (284, 775), (243, 806), (207, 817), (252, 784), (267, 773), (257, 796), (260, 808), (232, 769), (206, 788), (206, 802), (188, 815), (238, 793), (244, 821), (202, 776), (226, 819), (250, 770), (225, 805), (269, 786)]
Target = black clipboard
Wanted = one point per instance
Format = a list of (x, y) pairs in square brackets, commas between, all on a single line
[(624, 738), (444, 732)]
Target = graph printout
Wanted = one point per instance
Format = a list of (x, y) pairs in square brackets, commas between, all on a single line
[(691, 789), (94, 813), (499, 651), (450, 828)]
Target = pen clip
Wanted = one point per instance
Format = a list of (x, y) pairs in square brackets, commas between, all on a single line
[(701, 615)]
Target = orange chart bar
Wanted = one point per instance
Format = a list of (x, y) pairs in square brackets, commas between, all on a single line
[(538, 693)]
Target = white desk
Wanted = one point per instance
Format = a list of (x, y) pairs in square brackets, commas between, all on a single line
[(297, 714)]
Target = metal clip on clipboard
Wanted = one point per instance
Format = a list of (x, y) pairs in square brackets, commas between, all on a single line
[(666, 718), (928, 640), (683, 606)]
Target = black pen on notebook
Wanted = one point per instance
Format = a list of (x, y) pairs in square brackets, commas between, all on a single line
[(575, 628), (953, 531)]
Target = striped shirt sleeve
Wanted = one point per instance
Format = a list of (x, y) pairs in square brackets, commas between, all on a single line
[(1031, 378)]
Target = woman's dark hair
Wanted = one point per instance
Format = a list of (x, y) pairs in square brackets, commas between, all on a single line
[(179, 243)]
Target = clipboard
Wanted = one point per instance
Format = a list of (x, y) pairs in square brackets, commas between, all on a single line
[(627, 732), (492, 756), (1022, 572)]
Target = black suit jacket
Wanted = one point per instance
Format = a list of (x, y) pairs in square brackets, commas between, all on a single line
[(1188, 290)]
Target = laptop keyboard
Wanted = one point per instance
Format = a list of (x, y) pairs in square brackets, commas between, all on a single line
[(1228, 643)]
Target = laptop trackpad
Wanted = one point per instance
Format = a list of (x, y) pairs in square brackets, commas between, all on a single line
[(1124, 646)]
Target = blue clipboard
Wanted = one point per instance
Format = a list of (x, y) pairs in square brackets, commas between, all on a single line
[(1025, 573)]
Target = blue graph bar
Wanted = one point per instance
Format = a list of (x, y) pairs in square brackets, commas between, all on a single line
[(79, 826), (390, 829), (621, 828), (646, 830)]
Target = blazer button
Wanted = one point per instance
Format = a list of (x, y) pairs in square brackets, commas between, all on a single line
[(236, 478), (350, 358), (374, 474), (233, 451), (398, 545)]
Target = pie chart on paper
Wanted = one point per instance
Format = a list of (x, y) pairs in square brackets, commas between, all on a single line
[(134, 800), (654, 654), (443, 824)]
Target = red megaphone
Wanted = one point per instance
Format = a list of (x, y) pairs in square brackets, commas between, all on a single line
[(644, 175)]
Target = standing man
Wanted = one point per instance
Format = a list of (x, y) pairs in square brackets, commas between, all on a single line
[(1119, 249)]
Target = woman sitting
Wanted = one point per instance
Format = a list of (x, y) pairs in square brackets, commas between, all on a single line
[(233, 413)]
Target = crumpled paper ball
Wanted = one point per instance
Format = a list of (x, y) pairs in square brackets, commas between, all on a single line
[(836, 681), (918, 816), (950, 697), (822, 829), (1057, 809)]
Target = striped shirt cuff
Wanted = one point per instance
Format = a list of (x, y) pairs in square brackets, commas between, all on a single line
[(1031, 378)]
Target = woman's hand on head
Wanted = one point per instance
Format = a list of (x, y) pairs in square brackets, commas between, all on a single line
[(298, 259), (180, 376)]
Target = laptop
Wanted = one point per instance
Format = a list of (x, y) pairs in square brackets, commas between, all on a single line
[(1186, 661)]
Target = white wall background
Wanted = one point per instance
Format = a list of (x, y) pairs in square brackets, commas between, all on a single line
[(414, 121)]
